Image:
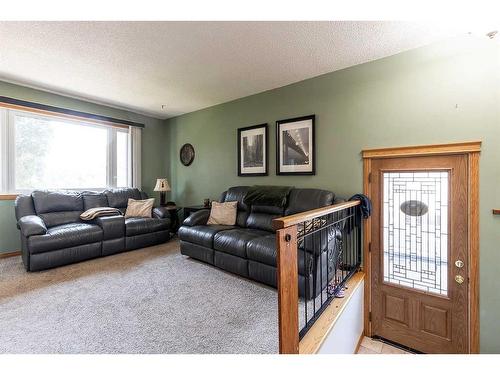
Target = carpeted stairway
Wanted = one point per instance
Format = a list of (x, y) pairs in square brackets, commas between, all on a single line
[(152, 300)]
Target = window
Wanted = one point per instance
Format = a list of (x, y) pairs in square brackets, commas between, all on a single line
[(46, 152)]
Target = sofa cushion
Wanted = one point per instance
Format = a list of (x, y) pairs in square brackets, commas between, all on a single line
[(272, 210), (201, 234), (241, 218), (63, 236), (261, 221), (118, 198), (223, 213), (263, 250), (53, 219), (261, 217), (93, 200), (142, 225), (237, 193), (235, 241), (301, 200), (55, 201), (140, 208)]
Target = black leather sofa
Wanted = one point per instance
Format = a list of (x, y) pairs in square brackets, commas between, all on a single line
[(52, 233), (249, 247)]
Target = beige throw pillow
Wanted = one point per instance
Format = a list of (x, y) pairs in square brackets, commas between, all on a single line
[(136, 208), (223, 213)]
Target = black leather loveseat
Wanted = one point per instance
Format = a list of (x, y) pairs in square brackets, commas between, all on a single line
[(249, 248), (52, 233)]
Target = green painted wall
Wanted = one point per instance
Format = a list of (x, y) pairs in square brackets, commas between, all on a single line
[(441, 93), (154, 161), (9, 235)]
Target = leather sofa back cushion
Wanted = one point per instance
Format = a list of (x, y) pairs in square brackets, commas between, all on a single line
[(237, 193), (94, 200), (261, 217), (273, 210), (241, 217), (52, 219), (118, 198), (223, 213), (53, 201), (301, 200), (223, 196), (261, 221)]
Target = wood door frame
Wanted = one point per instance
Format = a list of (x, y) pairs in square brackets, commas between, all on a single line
[(471, 150)]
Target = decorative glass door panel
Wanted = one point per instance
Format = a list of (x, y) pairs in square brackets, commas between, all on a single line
[(415, 229)]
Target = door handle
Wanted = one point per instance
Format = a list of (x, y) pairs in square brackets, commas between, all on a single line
[(459, 279)]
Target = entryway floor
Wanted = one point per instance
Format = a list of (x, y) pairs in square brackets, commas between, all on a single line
[(370, 346)]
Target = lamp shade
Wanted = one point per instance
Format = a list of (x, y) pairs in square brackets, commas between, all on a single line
[(162, 185)]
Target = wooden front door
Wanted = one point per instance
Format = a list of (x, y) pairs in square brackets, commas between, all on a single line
[(419, 252)]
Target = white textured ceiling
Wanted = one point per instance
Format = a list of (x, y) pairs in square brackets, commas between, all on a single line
[(191, 65)]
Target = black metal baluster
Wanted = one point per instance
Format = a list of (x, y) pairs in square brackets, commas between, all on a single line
[(347, 254), (351, 250), (321, 262), (315, 281), (328, 231), (306, 274)]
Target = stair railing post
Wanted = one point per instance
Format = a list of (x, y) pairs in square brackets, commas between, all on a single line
[(288, 293)]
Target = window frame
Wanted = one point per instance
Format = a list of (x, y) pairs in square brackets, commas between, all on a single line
[(7, 149)]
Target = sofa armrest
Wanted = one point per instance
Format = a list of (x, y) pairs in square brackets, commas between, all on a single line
[(112, 226), (161, 213), (32, 225), (197, 218)]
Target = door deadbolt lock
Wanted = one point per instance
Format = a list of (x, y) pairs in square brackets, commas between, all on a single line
[(459, 279), (459, 264)]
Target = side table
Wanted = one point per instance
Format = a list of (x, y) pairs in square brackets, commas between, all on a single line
[(173, 212)]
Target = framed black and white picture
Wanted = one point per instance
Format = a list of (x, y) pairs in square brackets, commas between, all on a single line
[(252, 151), (295, 146)]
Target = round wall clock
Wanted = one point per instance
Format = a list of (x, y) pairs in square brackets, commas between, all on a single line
[(187, 154)]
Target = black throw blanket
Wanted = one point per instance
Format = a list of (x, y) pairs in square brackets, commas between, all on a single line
[(366, 204), (364, 209), (258, 195)]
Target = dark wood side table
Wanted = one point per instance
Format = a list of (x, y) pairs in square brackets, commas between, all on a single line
[(174, 218), (190, 209)]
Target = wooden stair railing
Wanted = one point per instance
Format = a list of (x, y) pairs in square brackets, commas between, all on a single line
[(287, 272)]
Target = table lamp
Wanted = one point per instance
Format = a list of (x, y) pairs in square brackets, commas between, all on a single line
[(162, 186)]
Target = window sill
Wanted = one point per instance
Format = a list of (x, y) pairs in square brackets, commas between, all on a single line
[(8, 197)]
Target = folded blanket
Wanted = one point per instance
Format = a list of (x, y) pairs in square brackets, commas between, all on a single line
[(267, 195), (92, 213)]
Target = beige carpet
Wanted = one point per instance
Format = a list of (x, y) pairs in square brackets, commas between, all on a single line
[(151, 300)]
